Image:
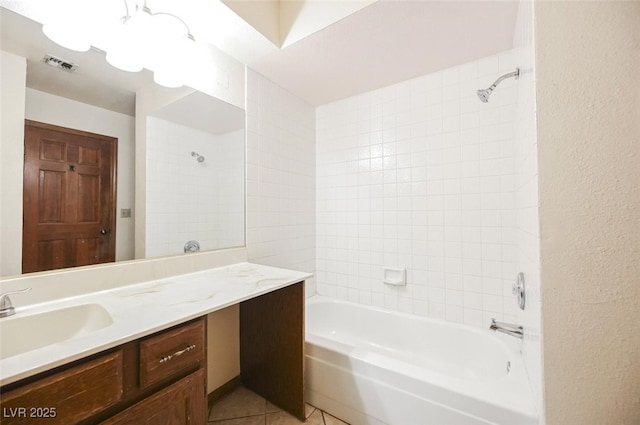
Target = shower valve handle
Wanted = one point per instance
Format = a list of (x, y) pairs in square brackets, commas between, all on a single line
[(518, 290)]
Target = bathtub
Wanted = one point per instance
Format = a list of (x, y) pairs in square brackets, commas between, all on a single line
[(370, 366)]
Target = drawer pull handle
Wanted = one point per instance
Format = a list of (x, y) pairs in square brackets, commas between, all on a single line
[(177, 353)]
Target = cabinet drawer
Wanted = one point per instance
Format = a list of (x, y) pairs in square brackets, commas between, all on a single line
[(169, 353), (69, 396)]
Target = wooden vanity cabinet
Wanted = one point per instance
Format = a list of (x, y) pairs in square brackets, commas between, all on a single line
[(159, 379), (68, 396), (181, 403)]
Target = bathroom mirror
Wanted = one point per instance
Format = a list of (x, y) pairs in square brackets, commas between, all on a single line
[(192, 190), (195, 176)]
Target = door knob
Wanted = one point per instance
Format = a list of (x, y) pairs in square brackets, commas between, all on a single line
[(104, 231)]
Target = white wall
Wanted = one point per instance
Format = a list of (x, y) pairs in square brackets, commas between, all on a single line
[(191, 200), (56, 110), (280, 178), (420, 175), (223, 348), (588, 106), (13, 74), (218, 75)]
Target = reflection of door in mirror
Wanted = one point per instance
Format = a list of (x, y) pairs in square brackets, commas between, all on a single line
[(69, 198)]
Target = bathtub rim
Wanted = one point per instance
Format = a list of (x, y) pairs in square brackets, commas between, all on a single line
[(513, 387), (511, 344)]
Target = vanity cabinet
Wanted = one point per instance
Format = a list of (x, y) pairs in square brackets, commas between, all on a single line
[(181, 403), (160, 378), (68, 396), (156, 379)]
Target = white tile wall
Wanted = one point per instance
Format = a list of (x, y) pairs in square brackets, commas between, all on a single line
[(280, 177), (420, 175), (527, 228), (188, 200)]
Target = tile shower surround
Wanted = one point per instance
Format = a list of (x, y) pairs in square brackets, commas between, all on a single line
[(421, 175), (177, 182)]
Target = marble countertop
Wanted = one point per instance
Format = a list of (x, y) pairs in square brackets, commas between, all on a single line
[(142, 309)]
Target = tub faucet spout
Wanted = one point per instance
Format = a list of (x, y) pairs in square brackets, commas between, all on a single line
[(507, 328), (6, 308)]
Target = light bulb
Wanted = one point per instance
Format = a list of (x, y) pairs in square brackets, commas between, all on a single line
[(168, 76), (125, 59), (171, 65), (139, 24), (67, 34), (188, 50), (127, 47)]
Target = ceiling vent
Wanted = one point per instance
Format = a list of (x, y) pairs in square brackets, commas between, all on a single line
[(60, 63)]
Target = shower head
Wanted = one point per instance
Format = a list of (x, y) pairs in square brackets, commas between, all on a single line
[(483, 94), (199, 157)]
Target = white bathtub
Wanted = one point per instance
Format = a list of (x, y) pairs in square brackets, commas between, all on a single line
[(370, 366)]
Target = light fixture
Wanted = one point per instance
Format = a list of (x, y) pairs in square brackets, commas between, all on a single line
[(170, 65), (127, 41), (68, 34), (176, 52), (159, 41)]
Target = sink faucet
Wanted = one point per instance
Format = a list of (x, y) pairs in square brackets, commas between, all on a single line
[(6, 308), (507, 328)]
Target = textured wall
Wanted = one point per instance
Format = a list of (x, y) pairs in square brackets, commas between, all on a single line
[(588, 95)]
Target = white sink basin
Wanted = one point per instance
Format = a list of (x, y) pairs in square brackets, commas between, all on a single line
[(20, 334)]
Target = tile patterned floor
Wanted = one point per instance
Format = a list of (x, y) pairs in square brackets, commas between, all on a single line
[(244, 407)]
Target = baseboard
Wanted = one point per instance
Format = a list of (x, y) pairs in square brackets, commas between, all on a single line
[(223, 390)]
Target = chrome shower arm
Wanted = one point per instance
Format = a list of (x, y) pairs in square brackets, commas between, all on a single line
[(483, 94), (515, 74)]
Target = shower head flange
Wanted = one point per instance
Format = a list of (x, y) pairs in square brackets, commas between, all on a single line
[(199, 157)]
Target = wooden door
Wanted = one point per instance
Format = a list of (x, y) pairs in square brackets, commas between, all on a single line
[(68, 197)]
